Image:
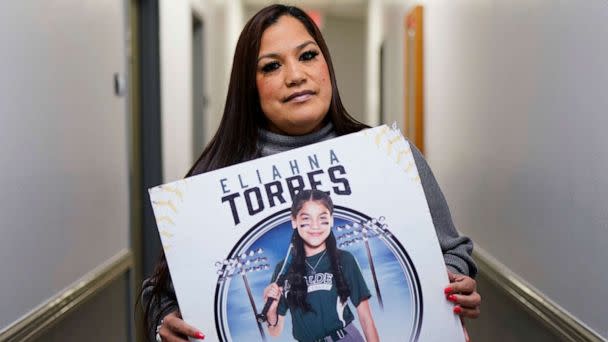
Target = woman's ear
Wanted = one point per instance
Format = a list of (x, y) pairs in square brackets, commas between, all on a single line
[(293, 223)]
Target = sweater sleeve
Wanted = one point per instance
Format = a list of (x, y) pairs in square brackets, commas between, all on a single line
[(456, 249), (159, 307)]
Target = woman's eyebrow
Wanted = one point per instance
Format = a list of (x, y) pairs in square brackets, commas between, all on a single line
[(277, 55)]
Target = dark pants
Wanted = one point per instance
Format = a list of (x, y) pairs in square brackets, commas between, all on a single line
[(352, 335)]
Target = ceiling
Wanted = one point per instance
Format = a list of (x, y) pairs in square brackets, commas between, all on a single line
[(336, 8)]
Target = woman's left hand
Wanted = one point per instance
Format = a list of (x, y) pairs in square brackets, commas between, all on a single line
[(462, 291)]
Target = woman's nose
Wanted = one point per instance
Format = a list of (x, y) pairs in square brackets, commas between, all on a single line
[(294, 75)]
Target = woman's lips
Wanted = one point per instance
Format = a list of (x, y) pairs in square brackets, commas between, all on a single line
[(301, 98)]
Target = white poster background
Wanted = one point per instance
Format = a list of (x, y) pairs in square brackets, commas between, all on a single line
[(197, 229)]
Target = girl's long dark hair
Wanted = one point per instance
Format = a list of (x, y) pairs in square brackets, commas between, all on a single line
[(298, 289), (236, 138)]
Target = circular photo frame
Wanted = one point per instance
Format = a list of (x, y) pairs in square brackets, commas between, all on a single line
[(396, 298)]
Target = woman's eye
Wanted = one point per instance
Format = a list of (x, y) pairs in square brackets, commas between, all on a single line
[(308, 55), (269, 67)]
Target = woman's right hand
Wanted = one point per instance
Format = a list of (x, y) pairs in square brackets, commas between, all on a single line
[(273, 291), (173, 328)]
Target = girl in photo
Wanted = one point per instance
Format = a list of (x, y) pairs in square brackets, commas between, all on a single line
[(320, 280)]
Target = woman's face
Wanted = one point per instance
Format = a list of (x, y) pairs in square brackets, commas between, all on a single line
[(313, 222), (292, 78)]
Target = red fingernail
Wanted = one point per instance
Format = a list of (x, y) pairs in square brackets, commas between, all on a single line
[(457, 310), (448, 290), (199, 335), (452, 298)]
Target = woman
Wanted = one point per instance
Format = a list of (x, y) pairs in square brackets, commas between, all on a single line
[(320, 280), (282, 95)]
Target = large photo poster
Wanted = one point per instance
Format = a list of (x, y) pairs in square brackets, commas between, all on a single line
[(341, 227)]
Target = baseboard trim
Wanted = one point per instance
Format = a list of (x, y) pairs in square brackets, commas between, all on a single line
[(48, 314), (558, 320)]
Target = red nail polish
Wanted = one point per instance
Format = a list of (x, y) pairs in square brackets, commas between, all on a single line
[(452, 298), (457, 310), (448, 290), (199, 335)]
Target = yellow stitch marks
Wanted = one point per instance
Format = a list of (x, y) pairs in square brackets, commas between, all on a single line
[(165, 219), (409, 166), (166, 234), (173, 190), (167, 203), (380, 134), (402, 154), (391, 142)]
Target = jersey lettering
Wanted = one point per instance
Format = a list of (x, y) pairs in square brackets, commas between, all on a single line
[(319, 282)]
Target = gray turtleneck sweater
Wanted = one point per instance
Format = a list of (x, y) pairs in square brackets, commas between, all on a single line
[(456, 248)]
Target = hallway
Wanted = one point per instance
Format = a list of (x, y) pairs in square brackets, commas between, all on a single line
[(102, 100)]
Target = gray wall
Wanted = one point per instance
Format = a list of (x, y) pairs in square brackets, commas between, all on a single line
[(345, 38), (504, 320), (63, 137), (101, 319), (393, 78), (515, 132)]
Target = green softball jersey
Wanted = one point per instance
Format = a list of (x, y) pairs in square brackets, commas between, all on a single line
[(328, 313)]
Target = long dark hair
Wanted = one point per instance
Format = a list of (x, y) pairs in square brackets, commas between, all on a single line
[(236, 138), (298, 289)]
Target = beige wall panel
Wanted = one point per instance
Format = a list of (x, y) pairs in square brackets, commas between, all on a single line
[(103, 318)]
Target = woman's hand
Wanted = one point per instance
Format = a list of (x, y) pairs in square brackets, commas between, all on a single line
[(174, 329), (462, 291)]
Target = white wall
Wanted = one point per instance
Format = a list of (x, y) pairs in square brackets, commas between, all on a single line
[(515, 132), (63, 146), (373, 42), (393, 78), (221, 20)]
